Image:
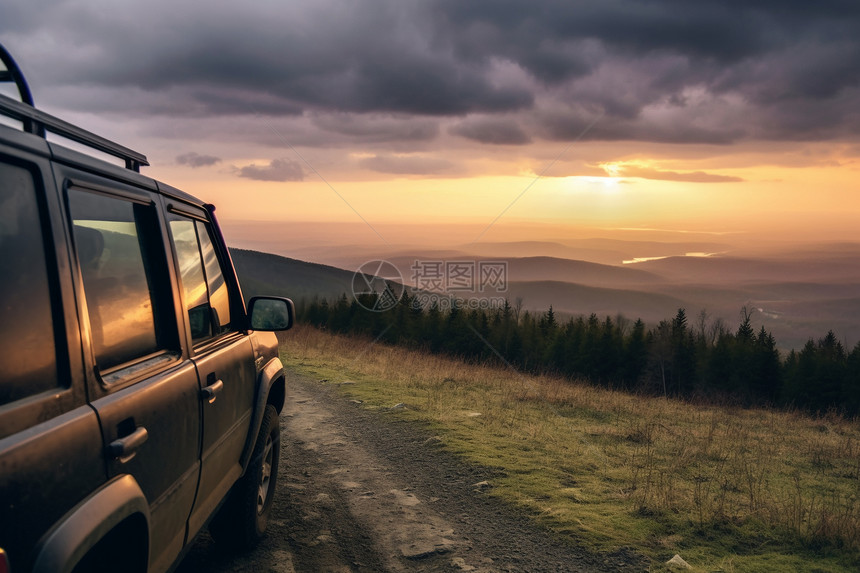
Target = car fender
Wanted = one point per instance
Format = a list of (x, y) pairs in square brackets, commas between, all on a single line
[(88, 522), (271, 372)]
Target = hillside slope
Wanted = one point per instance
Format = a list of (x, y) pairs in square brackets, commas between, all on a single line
[(264, 273)]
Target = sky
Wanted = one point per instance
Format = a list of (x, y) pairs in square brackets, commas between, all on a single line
[(530, 119)]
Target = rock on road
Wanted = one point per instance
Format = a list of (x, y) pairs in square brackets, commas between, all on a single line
[(360, 492)]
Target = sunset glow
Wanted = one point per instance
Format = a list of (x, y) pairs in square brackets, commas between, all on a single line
[(569, 285), (353, 125)]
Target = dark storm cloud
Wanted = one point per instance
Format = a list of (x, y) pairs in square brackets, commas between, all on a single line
[(570, 125), (713, 71), (407, 165), (276, 170), (371, 128), (193, 159), (314, 56), (724, 31), (501, 131), (775, 58)]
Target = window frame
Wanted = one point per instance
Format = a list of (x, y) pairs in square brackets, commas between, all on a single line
[(58, 323), (237, 328), (153, 254), (71, 392), (185, 303), (230, 325)]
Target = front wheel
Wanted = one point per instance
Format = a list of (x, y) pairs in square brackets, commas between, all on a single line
[(242, 520)]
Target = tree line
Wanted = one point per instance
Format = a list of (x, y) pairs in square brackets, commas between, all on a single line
[(704, 360)]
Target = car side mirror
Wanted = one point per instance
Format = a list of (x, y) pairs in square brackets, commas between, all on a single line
[(271, 313)]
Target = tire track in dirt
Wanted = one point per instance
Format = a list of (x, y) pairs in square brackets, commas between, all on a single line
[(360, 492)]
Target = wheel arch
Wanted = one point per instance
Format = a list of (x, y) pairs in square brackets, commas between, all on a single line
[(118, 504), (271, 389)]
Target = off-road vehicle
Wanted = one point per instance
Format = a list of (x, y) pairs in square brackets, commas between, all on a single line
[(139, 397)]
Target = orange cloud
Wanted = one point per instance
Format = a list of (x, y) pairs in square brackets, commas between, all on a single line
[(634, 170)]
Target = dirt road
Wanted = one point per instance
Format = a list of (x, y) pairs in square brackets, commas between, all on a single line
[(360, 491)]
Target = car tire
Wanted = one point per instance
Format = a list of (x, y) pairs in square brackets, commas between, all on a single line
[(241, 522)]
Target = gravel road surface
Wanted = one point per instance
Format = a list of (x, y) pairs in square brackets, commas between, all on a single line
[(360, 491)]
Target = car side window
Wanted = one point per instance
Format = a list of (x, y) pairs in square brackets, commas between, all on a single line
[(120, 269), (29, 364), (207, 299), (218, 296)]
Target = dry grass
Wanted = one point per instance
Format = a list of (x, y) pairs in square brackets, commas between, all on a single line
[(728, 489)]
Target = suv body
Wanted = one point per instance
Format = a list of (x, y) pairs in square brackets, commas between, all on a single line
[(138, 395)]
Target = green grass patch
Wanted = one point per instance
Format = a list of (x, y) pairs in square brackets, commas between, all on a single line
[(727, 489)]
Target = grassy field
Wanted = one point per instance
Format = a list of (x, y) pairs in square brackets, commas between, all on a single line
[(728, 489)]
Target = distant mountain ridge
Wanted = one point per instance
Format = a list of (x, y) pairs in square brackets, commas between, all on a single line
[(264, 273), (544, 268), (795, 299), (575, 299), (739, 270)]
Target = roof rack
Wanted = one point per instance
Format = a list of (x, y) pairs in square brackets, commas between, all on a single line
[(38, 122)]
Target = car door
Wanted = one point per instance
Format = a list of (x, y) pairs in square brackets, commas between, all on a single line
[(221, 350), (141, 382), (50, 441)]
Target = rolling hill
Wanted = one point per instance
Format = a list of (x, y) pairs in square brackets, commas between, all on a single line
[(739, 270), (523, 269), (264, 273), (795, 299), (576, 299)]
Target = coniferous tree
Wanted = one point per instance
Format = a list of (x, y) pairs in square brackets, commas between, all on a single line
[(433, 328), (766, 377), (850, 394), (790, 389), (806, 381), (635, 355), (683, 355), (660, 356), (672, 358), (743, 362), (830, 371), (608, 354), (721, 378)]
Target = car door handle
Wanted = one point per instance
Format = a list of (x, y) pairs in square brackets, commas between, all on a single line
[(209, 393), (125, 448)]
